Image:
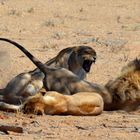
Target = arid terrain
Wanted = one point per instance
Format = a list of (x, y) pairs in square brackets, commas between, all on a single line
[(45, 27)]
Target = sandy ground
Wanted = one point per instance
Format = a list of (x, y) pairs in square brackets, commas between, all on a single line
[(45, 27)]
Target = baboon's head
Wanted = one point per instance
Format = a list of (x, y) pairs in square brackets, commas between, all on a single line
[(86, 56)]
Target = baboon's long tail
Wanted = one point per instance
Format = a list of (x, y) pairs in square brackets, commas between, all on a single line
[(38, 63)]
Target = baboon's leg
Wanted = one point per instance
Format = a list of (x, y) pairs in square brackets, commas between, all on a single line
[(9, 107), (1, 94), (16, 86), (17, 100), (32, 88), (1, 91)]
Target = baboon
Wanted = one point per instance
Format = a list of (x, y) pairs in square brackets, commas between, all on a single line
[(77, 59), (54, 103)]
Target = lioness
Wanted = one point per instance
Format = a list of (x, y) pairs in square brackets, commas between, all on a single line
[(54, 103), (76, 59)]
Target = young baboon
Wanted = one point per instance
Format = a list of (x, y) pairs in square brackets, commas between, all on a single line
[(77, 59)]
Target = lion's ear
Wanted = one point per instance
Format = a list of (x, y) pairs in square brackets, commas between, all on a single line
[(43, 91)]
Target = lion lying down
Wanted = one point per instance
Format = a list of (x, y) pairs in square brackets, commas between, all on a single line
[(54, 103)]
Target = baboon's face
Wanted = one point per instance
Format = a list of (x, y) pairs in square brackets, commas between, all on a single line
[(87, 56)]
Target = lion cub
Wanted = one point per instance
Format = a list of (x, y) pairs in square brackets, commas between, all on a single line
[(54, 103)]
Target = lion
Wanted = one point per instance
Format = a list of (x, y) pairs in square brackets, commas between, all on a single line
[(54, 103), (125, 89), (77, 59)]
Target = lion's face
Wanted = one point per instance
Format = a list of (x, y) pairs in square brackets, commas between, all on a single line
[(86, 56)]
